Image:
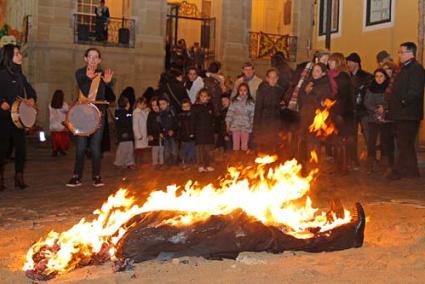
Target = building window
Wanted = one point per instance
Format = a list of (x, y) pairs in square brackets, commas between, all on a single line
[(86, 6), (323, 16), (378, 12)]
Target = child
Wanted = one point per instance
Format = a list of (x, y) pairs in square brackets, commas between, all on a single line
[(60, 136), (186, 134), (203, 119), (123, 121), (169, 126), (140, 117), (240, 117), (224, 140), (154, 134)]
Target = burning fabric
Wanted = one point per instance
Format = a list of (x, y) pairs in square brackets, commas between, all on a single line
[(257, 208)]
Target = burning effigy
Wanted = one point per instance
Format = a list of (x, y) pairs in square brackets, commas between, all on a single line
[(262, 207)]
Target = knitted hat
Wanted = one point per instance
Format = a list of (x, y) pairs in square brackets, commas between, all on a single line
[(382, 55), (354, 57)]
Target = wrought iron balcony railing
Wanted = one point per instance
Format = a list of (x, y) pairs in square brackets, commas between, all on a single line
[(118, 32), (263, 45)]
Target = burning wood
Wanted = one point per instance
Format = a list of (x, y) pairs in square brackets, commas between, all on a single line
[(321, 124), (261, 207)]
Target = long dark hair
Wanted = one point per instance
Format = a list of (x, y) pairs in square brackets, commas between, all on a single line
[(57, 99), (130, 94), (6, 57), (250, 98)]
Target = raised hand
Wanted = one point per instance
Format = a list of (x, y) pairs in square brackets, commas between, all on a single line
[(107, 75)]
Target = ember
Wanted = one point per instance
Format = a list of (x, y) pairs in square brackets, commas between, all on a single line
[(267, 203), (321, 124)]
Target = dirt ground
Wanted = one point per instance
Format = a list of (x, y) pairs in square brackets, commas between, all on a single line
[(393, 252)]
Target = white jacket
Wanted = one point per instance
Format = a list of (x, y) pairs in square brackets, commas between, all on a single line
[(57, 117), (196, 86), (140, 118)]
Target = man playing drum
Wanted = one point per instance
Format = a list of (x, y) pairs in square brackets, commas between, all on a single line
[(14, 86), (84, 77)]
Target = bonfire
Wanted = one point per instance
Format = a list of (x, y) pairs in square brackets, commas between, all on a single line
[(321, 125), (265, 206)]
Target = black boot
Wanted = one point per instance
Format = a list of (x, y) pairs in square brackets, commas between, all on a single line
[(2, 186), (19, 181)]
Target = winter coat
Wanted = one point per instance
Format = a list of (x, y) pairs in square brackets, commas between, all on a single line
[(407, 97), (285, 76), (84, 84), (253, 85), (361, 81), (240, 116), (140, 118), (153, 126), (220, 127), (174, 90), (57, 117), (309, 103), (203, 119), (124, 125), (192, 92), (371, 102), (186, 126), (213, 84), (168, 121), (342, 112), (267, 105)]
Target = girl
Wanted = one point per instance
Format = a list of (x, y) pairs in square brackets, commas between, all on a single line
[(124, 125), (155, 138), (240, 117), (140, 118), (378, 126), (203, 119), (13, 85), (343, 110), (57, 111)]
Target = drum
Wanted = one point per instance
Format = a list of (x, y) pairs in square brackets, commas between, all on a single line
[(23, 115), (83, 119)]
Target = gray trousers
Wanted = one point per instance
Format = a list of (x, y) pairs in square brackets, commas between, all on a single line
[(125, 154), (157, 155)]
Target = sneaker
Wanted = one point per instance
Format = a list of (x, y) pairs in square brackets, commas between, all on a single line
[(97, 181), (75, 181), (210, 169), (202, 169)]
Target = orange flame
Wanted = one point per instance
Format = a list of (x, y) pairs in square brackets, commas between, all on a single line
[(313, 157), (321, 126), (275, 195)]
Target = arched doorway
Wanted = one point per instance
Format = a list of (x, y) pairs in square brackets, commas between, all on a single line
[(190, 35)]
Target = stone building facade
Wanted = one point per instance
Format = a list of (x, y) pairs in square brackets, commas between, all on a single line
[(52, 56)]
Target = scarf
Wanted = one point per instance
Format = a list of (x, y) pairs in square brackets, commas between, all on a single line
[(378, 88), (332, 74)]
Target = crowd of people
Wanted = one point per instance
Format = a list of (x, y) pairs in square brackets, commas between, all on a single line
[(193, 113)]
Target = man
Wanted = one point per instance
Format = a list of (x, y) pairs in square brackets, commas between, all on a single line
[(214, 83), (360, 80), (84, 77), (248, 77), (406, 110), (193, 84), (102, 17)]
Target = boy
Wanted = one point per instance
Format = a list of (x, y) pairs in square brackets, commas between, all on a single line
[(224, 137), (186, 134), (169, 124), (124, 125)]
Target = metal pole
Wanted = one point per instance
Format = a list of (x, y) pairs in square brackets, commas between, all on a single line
[(328, 23)]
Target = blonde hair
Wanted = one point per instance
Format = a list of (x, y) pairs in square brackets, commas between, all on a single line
[(340, 63)]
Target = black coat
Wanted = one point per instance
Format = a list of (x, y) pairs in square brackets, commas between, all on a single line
[(153, 126), (12, 85), (186, 130), (174, 90), (407, 97), (203, 118), (267, 104), (309, 103), (124, 125), (168, 121), (342, 112), (360, 81), (84, 84)]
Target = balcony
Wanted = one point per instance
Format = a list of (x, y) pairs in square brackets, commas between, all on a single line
[(264, 45), (120, 32)]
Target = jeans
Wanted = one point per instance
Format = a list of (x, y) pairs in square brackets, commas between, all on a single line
[(95, 141), (157, 155), (170, 151), (188, 152)]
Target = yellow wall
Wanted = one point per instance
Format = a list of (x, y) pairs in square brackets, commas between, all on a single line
[(368, 43), (267, 16)]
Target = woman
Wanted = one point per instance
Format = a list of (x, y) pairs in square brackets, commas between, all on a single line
[(60, 135), (378, 126), (343, 110), (312, 95), (13, 86)]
